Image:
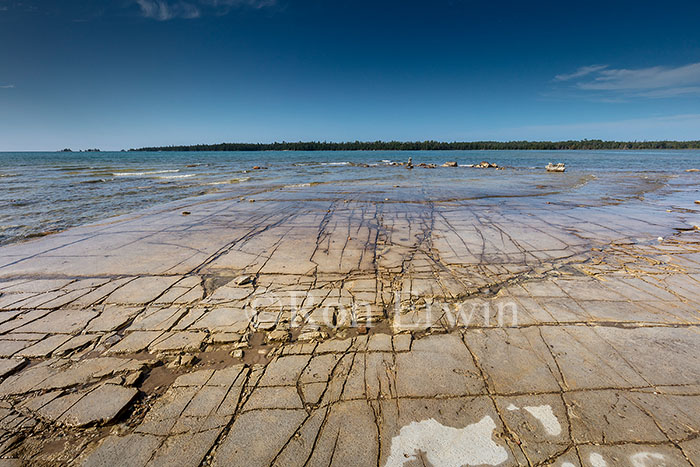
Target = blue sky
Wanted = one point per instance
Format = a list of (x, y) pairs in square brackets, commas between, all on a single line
[(130, 73)]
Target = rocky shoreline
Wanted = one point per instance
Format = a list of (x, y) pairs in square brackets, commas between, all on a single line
[(321, 325)]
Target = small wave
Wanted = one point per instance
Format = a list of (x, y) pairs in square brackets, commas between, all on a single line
[(335, 163), (386, 161), (298, 185), (142, 174), (99, 180), (8, 175), (172, 177)]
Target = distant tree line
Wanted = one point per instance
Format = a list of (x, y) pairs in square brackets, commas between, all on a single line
[(586, 144)]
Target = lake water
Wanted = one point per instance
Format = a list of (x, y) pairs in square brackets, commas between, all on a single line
[(47, 192)]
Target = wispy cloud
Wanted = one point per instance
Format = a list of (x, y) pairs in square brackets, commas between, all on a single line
[(7, 86), (653, 82), (164, 10), (583, 71), (645, 78)]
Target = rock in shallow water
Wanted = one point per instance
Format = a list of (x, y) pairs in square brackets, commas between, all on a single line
[(555, 167), (485, 165)]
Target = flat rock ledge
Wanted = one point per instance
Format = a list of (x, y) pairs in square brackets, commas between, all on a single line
[(330, 327)]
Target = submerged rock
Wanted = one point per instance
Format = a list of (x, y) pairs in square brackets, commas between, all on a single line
[(560, 167)]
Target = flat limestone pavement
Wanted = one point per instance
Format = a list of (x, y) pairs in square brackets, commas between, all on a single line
[(336, 325)]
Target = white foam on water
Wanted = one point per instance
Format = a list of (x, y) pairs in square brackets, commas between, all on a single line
[(141, 174), (169, 177), (446, 446), (546, 417), (647, 459), (597, 460)]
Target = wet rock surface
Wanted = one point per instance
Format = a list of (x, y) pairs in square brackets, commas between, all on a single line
[(333, 327), (558, 167)]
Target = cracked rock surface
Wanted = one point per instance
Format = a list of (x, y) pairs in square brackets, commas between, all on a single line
[(340, 324)]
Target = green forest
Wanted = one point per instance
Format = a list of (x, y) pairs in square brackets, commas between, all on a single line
[(586, 144)]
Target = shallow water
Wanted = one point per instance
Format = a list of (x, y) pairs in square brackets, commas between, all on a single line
[(46, 192)]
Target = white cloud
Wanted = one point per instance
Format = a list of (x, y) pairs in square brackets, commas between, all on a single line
[(7, 86), (583, 71), (645, 78), (164, 10), (653, 82)]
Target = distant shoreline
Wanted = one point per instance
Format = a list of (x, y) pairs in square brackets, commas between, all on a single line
[(585, 145)]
